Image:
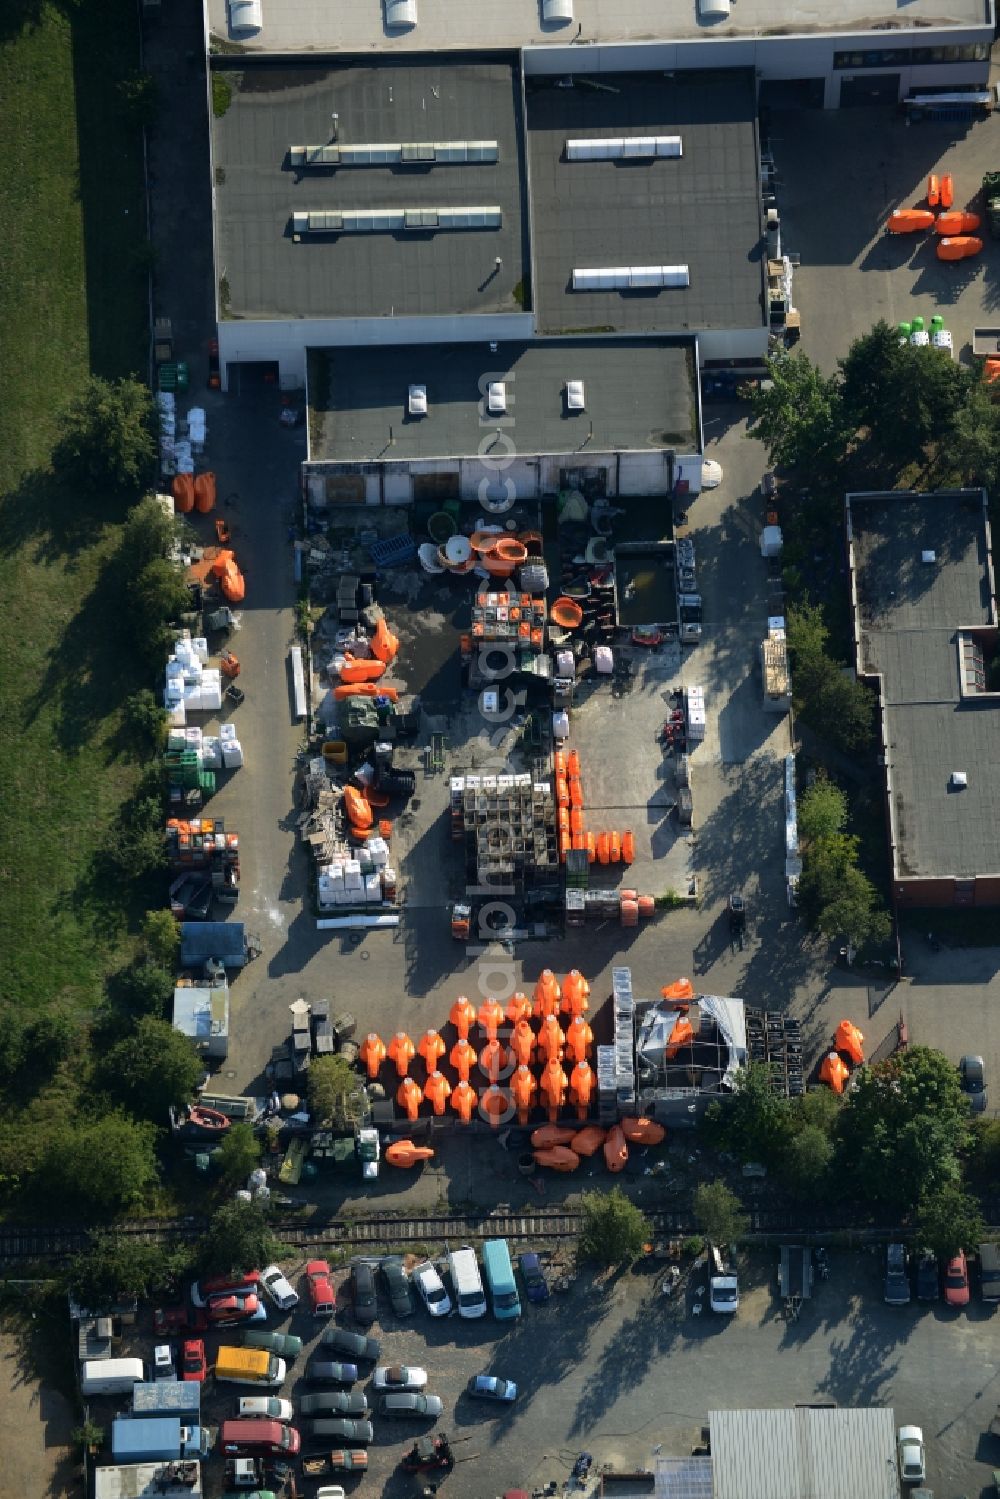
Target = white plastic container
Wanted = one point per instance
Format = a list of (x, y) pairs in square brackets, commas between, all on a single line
[(227, 731), (604, 660), (560, 724), (211, 752), (373, 889), (352, 875), (232, 754)]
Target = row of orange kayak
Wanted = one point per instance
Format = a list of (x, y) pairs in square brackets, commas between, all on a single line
[(602, 848), (940, 190), (955, 227), (910, 220)]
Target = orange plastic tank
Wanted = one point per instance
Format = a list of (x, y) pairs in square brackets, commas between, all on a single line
[(614, 848), (603, 848), (560, 763), (958, 221), (628, 848), (591, 848), (204, 493), (183, 492), (615, 1150), (909, 220), (361, 671), (573, 764), (959, 248), (588, 1141), (947, 190), (559, 1158), (463, 1100), (547, 1135), (933, 191)]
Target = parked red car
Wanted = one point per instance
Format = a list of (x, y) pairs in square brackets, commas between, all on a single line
[(956, 1281), (322, 1296), (193, 1366), (223, 1310)]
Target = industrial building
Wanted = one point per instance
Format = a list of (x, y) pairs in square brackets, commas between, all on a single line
[(925, 634), (439, 201), (611, 417), (849, 54)]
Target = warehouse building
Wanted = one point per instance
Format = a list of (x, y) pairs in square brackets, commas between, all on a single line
[(925, 634), (486, 422), (853, 53)]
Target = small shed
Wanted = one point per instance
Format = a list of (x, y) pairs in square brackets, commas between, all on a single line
[(176, 1480), (201, 941), (94, 1337), (201, 1012)]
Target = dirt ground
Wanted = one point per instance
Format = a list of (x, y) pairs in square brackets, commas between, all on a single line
[(35, 1419)]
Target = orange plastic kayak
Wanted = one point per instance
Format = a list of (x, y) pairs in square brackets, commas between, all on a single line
[(959, 248), (588, 1140), (365, 689), (947, 190), (933, 191), (559, 1158), (958, 221), (615, 1149), (909, 220), (548, 1135), (643, 1131), (358, 810)]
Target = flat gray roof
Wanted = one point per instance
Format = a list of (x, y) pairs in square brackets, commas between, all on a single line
[(276, 106), (639, 393), (909, 614), (318, 25), (804, 1454), (701, 210)]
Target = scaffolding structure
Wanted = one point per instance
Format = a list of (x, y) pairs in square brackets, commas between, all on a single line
[(508, 826)]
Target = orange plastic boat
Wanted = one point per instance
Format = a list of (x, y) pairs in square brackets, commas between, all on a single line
[(588, 1141), (960, 248), (559, 1158), (405, 1154), (361, 671), (547, 1135), (615, 1149), (933, 191), (909, 220), (947, 190), (958, 221), (643, 1131)]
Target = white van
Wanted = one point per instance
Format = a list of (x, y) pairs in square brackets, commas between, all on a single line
[(111, 1376), (465, 1277)]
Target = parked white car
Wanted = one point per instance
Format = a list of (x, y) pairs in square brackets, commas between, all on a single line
[(399, 1377), (912, 1461), (279, 1289), (269, 1407), (430, 1288)]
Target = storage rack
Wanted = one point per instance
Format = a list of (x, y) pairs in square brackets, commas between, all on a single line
[(508, 824), (776, 1040)]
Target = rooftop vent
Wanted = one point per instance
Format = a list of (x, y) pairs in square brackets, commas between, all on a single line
[(624, 277), (390, 220), (575, 400), (400, 14), (557, 10), (416, 403), (396, 153), (959, 780)]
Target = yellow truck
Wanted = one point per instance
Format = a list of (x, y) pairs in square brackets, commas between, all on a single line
[(249, 1366)]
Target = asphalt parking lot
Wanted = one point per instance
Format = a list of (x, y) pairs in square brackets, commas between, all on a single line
[(613, 1368)]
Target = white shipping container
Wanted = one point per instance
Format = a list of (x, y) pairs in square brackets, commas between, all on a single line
[(352, 875), (232, 754), (373, 889), (227, 731), (379, 850)]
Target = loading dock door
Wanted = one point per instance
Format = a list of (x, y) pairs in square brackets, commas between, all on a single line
[(866, 89)]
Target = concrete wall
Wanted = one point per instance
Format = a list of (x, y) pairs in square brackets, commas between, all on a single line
[(254, 340), (731, 343), (772, 57), (939, 894)]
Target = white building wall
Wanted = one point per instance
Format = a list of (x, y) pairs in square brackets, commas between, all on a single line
[(731, 343), (257, 340), (398, 486), (772, 57), (515, 478)]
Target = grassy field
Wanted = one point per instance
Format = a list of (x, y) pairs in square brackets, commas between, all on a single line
[(72, 301)]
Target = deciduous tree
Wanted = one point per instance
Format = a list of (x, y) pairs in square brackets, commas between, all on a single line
[(614, 1229)]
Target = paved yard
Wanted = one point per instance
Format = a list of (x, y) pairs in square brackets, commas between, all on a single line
[(614, 1369)]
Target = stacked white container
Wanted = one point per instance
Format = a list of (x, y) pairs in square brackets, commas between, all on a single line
[(373, 889), (694, 698)]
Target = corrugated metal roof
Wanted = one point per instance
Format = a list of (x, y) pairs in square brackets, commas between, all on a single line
[(224, 940), (804, 1454)]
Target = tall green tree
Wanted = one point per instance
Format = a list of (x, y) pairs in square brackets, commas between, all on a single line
[(614, 1229), (239, 1239), (238, 1155), (108, 440), (948, 1219), (800, 417), (98, 1166), (756, 1122), (904, 1128), (901, 398), (718, 1213), (822, 810), (975, 443), (335, 1092), (152, 1068)]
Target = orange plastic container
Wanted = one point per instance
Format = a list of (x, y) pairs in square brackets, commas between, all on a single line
[(579, 840), (575, 791), (628, 848), (183, 492), (614, 848), (933, 191), (559, 761), (958, 221), (603, 848), (562, 791), (361, 671), (947, 190), (591, 848), (204, 493), (573, 763), (563, 818), (564, 611), (647, 906), (576, 821), (958, 248)]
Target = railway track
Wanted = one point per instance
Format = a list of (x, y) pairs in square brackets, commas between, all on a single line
[(22, 1244)]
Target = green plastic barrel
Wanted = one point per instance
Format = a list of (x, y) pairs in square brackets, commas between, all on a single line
[(905, 329), (917, 325)]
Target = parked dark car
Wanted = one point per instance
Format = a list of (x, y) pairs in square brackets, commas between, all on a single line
[(973, 1076), (328, 1371), (928, 1284), (358, 1433), (334, 1403), (897, 1275), (398, 1286), (363, 1294), (411, 1406), (536, 1285), (354, 1344)]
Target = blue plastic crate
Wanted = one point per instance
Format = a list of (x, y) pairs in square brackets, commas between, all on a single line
[(393, 551)]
